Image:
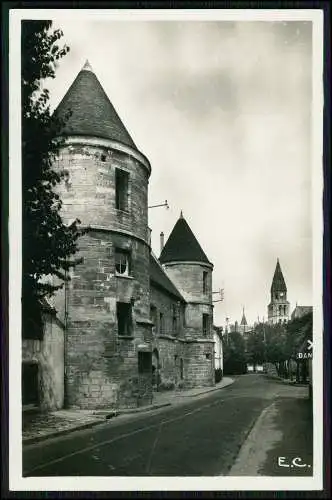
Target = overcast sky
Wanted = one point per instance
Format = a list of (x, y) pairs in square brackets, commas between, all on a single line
[(223, 112)]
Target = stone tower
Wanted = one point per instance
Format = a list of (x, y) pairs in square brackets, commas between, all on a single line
[(190, 270), (105, 306), (278, 309)]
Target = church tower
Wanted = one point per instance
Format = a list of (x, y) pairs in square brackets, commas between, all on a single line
[(278, 309), (105, 306), (244, 324), (190, 270)]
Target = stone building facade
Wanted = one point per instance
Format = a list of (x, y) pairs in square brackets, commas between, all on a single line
[(132, 323), (43, 362)]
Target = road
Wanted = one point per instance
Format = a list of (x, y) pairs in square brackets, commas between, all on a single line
[(200, 437)]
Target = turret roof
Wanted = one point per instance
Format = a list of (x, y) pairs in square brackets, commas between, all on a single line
[(182, 245), (278, 282), (92, 113)]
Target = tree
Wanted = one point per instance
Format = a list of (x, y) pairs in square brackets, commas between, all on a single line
[(234, 354), (48, 244), (256, 346), (275, 342), (298, 332)]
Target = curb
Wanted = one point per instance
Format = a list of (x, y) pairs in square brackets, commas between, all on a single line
[(288, 382), (126, 411), (211, 390), (50, 435)]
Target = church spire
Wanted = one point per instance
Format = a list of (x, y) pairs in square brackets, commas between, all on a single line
[(244, 319), (278, 282)]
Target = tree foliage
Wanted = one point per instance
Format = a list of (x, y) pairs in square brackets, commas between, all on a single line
[(48, 244), (234, 354), (256, 347)]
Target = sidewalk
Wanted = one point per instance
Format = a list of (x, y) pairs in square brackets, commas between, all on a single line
[(283, 432), (41, 426)]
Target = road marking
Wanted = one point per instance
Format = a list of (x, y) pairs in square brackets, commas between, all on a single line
[(128, 434)]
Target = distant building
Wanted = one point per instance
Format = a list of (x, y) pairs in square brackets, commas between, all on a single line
[(278, 308), (244, 328), (300, 311)]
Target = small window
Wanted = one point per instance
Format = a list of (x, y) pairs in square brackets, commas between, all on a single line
[(174, 319), (181, 368), (123, 313), (122, 262), (205, 324), (121, 190), (102, 157), (161, 323), (153, 318), (153, 314), (205, 281)]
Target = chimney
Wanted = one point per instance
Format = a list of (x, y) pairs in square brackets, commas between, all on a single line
[(161, 241)]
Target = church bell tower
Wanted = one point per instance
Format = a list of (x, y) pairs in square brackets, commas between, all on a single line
[(278, 309)]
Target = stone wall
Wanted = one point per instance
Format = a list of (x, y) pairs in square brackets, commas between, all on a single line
[(200, 364), (188, 278), (164, 303), (48, 353), (88, 190), (194, 321), (101, 363)]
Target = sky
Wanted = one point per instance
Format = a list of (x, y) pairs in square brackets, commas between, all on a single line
[(222, 110)]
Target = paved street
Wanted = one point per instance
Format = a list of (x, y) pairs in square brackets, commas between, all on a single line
[(200, 437)]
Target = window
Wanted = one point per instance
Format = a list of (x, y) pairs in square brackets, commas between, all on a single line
[(205, 281), (181, 368), (205, 324), (122, 262), (153, 317), (123, 313), (161, 323), (121, 190), (174, 319), (144, 362)]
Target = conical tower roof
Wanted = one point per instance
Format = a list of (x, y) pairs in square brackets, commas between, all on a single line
[(92, 113), (182, 245), (278, 282)]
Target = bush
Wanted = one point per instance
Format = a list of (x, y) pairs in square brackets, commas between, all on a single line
[(167, 385)]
